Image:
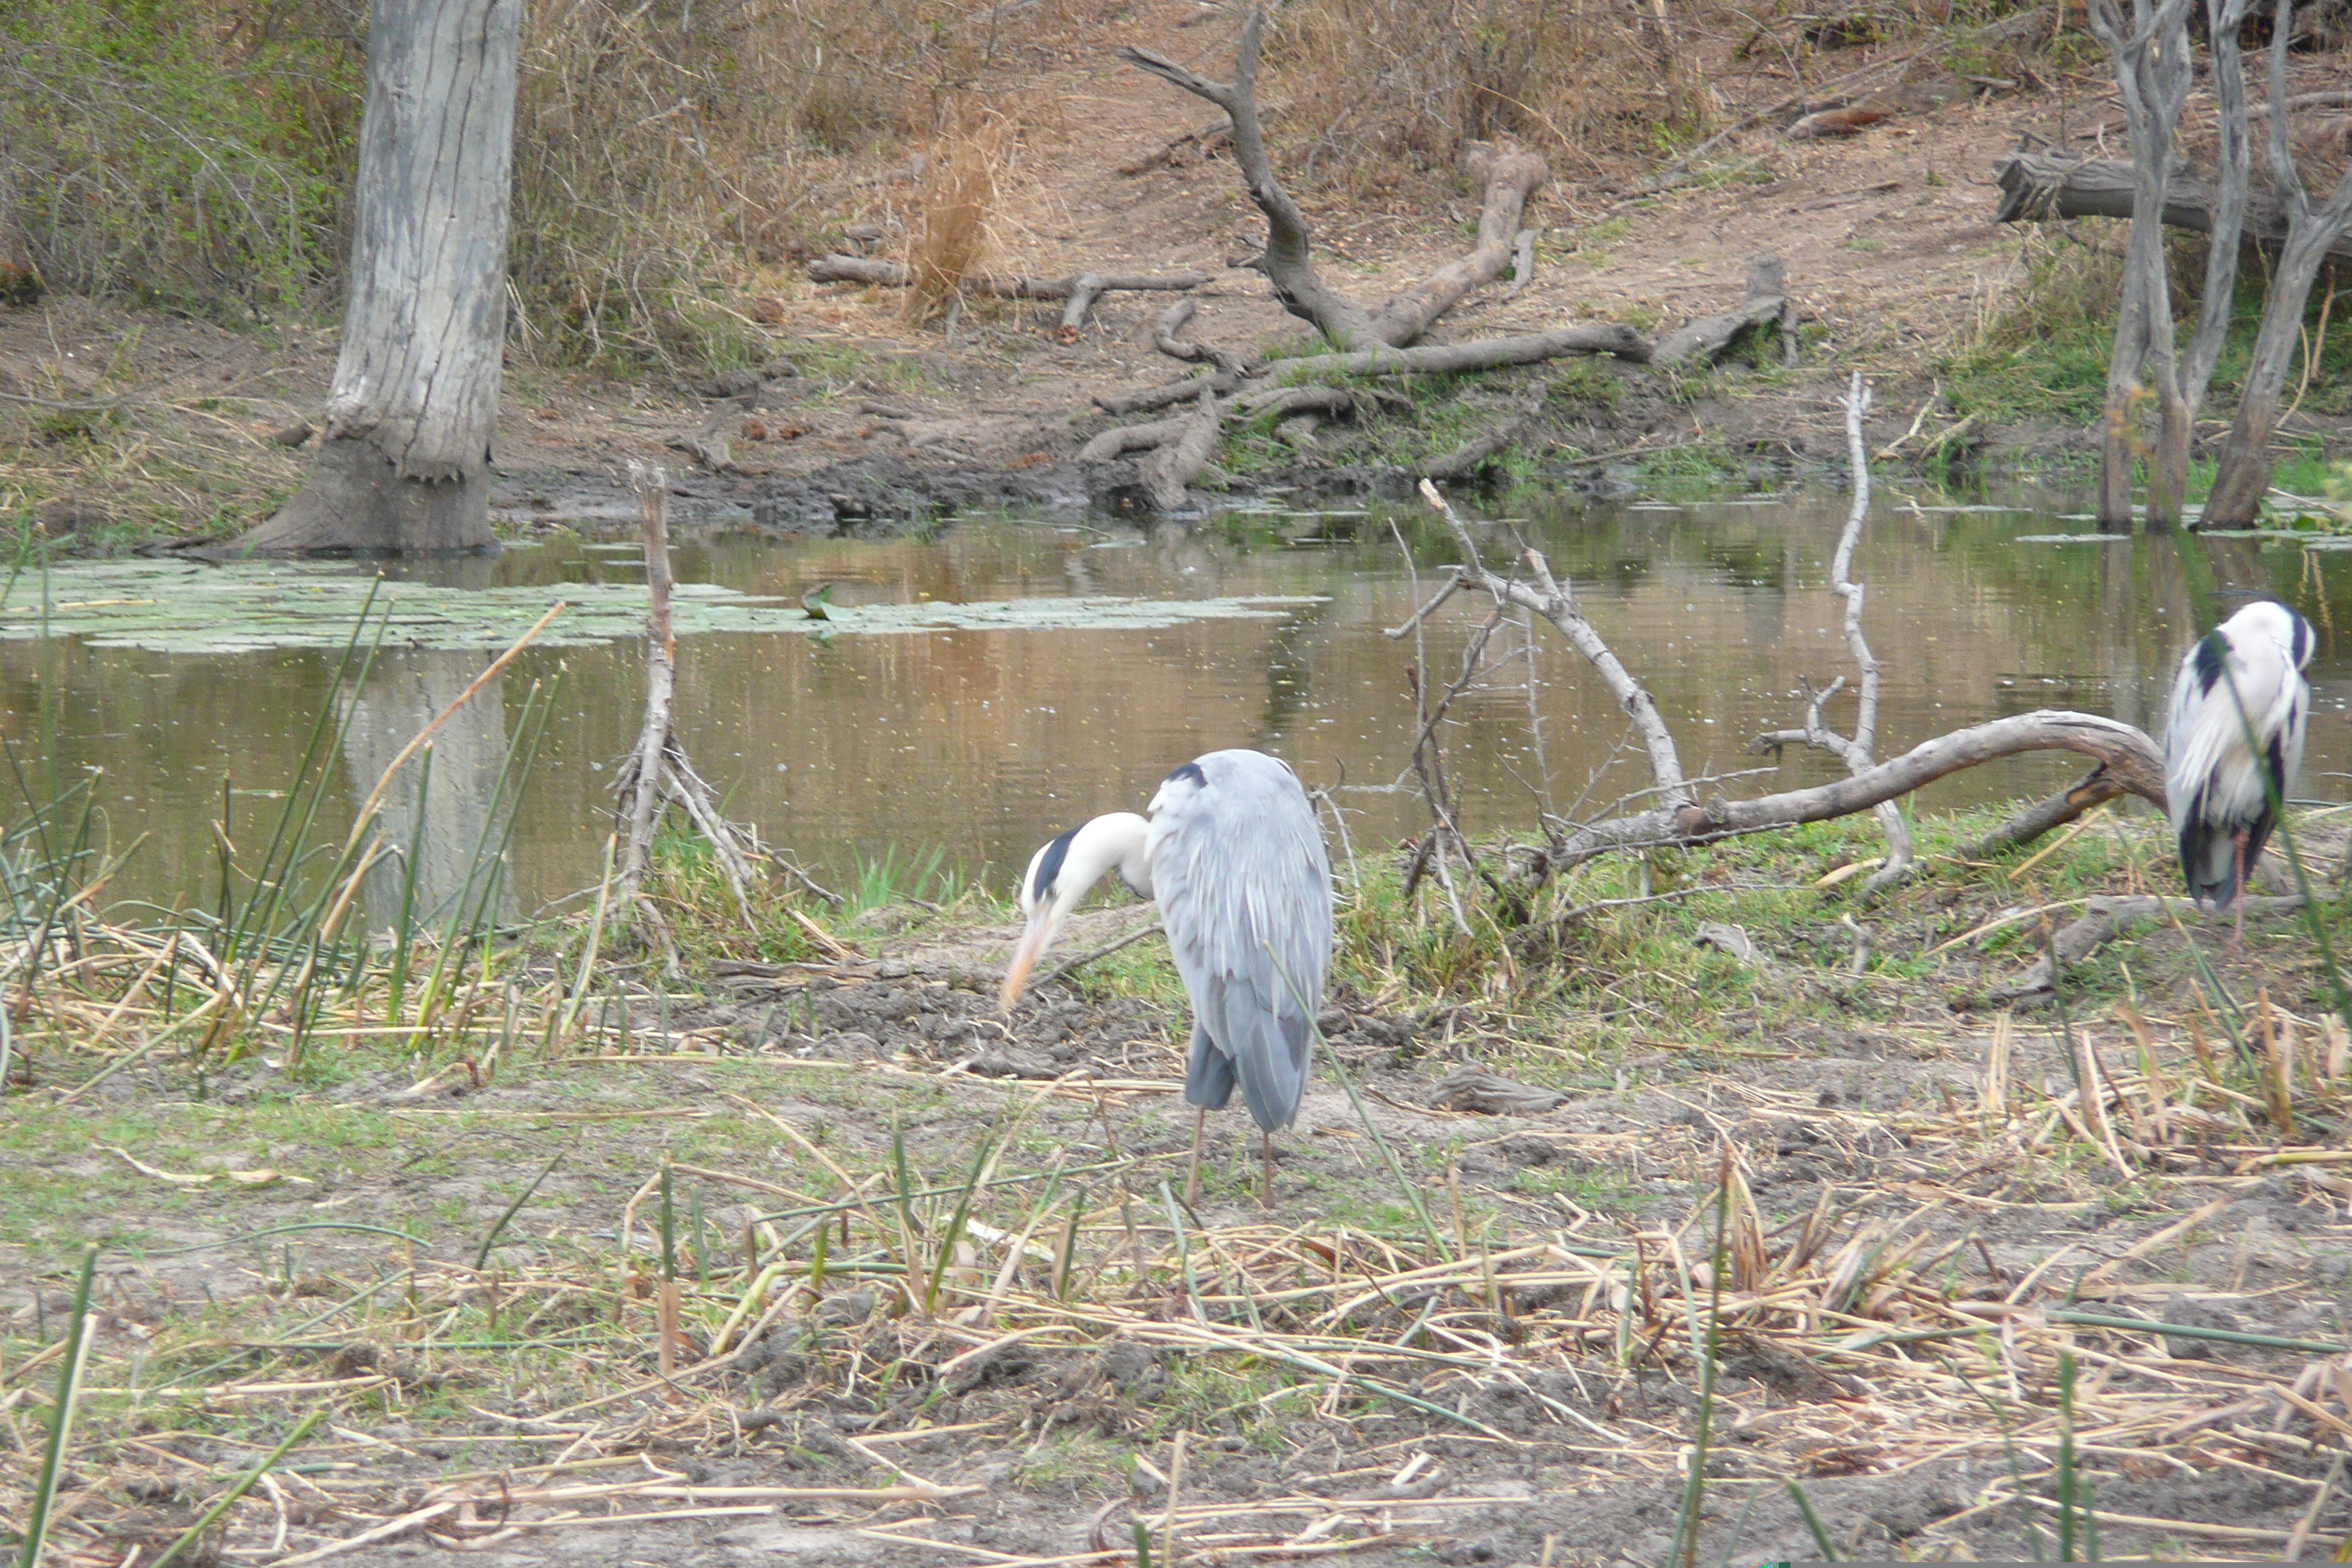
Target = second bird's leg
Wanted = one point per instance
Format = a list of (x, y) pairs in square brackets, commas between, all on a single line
[(1193, 1166), (1265, 1152)]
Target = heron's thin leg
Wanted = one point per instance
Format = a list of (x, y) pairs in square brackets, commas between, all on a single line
[(2238, 884), (1193, 1166), (1265, 1151)]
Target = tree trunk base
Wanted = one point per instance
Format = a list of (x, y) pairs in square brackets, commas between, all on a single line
[(356, 503)]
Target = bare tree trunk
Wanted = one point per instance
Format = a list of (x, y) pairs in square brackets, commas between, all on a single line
[(2233, 182), (2242, 475), (2150, 55), (404, 467)]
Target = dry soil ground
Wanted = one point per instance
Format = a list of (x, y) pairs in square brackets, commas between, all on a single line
[(1456, 1336)]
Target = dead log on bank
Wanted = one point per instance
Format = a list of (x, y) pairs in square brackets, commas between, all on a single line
[(2040, 186), (1609, 338), (1711, 337), (1080, 291)]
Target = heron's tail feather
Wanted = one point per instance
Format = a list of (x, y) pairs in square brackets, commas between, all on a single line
[(1208, 1072), (1271, 1048), (2207, 856)]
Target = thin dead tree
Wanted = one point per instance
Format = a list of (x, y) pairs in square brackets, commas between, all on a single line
[(2149, 51), (657, 772), (1854, 751), (639, 781), (2241, 477), (2234, 185)]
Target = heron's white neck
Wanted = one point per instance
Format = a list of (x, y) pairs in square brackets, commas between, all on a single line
[(1062, 874)]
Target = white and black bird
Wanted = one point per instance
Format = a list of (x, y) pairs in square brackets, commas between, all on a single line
[(1234, 856), (2239, 706)]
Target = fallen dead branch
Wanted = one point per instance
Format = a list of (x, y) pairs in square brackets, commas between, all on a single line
[(2125, 753), (2102, 919), (1711, 337), (1079, 291), (1437, 359), (2037, 187)]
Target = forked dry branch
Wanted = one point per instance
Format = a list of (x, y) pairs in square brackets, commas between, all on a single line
[(657, 771), (1373, 342), (1854, 751)]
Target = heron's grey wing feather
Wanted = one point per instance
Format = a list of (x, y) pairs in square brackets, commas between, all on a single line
[(1208, 1071), (1244, 893)]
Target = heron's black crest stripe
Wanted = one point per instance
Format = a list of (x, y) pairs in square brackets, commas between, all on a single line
[(1049, 865), (1189, 771), (2302, 648), (2211, 654)]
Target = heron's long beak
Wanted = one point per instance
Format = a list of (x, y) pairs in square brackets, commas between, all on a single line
[(1025, 958)]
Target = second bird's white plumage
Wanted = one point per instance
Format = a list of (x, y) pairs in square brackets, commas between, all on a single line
[(2213, 777)]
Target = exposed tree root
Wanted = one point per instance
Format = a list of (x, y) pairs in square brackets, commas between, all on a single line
[(2102, 919), (1178, 462)]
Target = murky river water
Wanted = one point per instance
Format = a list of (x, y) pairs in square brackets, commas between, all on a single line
[(980, 743)]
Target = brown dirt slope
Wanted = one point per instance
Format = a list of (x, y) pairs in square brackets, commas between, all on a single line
[(1885, 235)]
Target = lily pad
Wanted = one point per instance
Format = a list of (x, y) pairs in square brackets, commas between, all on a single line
[(179, 607)]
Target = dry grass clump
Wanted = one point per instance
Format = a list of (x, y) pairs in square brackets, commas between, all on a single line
[(1373, 85), (194, 156), (960, 200), (658, 148), (202, 156)]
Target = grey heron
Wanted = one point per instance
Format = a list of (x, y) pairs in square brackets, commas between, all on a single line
[(1234, 856), (2215, 758)]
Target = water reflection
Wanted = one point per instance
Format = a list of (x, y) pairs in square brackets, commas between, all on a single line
[(981, 744), (438, 822)]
